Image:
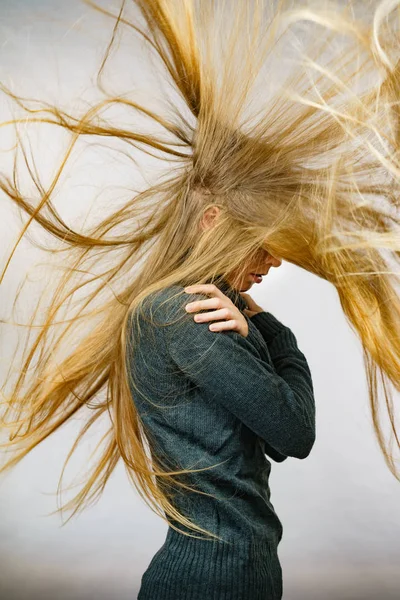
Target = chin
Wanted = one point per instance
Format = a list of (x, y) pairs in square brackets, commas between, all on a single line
[(246, 285)]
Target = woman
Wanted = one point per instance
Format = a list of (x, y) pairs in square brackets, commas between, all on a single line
[(217, 402), (311, 175)]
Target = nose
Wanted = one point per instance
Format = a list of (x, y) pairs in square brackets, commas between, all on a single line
[(266, 261), (275, 261), (271, 260)]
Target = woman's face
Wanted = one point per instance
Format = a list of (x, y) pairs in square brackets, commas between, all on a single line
[(242, 279)]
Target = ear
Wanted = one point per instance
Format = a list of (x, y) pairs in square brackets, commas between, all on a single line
[(209, 216)]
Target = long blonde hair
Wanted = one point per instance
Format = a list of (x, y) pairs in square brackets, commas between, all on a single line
[(312, 174)]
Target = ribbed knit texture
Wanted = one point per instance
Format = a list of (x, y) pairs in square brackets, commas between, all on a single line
[(191, 569), (226, 402)]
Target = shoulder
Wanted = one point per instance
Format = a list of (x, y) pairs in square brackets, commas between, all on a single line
[(164, 302), (169, 303), (155, 311)]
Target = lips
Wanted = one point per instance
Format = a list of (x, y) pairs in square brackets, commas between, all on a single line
[(256, 278)]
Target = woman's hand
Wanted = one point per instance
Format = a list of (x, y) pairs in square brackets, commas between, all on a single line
[(253, 308), (226, 317)]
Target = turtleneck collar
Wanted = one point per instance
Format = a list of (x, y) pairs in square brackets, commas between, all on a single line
[(227, 289), (234, 295)]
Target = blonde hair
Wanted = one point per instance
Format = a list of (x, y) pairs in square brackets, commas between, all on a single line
[(311, 174)]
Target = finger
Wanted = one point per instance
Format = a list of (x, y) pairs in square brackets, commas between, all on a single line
[(215, 301), (223, 313), (207, 287), (203, 304), (231, 325), (248, 299)]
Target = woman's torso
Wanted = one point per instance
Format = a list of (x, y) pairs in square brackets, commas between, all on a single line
[(194, 431)]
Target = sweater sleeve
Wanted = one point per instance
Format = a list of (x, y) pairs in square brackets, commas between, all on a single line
[(268, 325), (282, 344), (272, 453), (278, 406), (270, 328)]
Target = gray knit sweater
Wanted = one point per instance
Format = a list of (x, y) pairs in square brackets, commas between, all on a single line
[(220, 400)]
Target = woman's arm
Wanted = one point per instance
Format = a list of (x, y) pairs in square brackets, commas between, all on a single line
[(269, 327), (278, 405)]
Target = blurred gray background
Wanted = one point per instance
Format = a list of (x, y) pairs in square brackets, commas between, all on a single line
[(339, 507)]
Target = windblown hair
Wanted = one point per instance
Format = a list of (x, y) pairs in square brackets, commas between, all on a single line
[(309, 171)]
